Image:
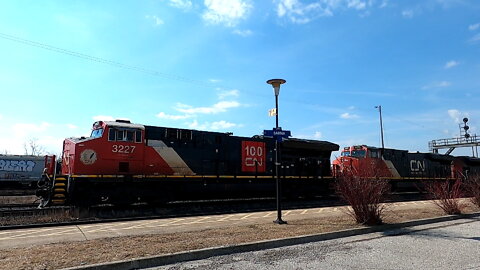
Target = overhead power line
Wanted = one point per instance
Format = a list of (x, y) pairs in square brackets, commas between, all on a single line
[(138, 69), (105, 61)]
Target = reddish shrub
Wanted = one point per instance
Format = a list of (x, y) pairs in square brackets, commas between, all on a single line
[(364, 192), (472, 186), (446, 195)]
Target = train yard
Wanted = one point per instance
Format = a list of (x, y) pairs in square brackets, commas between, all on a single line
[(129, 179)]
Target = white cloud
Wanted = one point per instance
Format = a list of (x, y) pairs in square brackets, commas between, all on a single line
[(475, 38), (196, 125), (458, 116), (231, 93), (214, 80), (71, 126), (163, 115), (222, 125), (227, 12), (474, 27), (451, 64), (356, 4), (221, 106), (348, 116), (455, 115), (22, 129), (14, 138), (181, 4), (219, 125), (243, 33), (300, 13), (317, 135), (408, 13), (103, 118), (444, 84), (441, 84), (156, 20)]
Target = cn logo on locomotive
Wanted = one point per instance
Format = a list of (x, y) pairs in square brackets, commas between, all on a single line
[(88, 156), (417, 166), (253, 156)]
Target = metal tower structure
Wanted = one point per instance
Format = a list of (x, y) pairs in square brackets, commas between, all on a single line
[(465, 140)]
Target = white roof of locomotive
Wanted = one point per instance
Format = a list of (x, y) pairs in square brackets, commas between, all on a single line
[(123, 124)]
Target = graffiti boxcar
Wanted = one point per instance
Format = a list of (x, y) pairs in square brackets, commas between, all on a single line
[(16, 171)]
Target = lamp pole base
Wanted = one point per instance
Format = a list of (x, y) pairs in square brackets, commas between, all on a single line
[(279, 221)]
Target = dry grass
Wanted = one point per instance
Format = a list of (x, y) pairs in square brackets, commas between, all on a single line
[(54, 256)]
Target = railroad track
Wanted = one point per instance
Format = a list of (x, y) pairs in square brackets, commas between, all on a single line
[(25, 211), (17, 192), (32, 216)]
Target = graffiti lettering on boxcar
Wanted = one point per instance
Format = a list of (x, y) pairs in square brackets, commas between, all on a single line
[(417, 166), (16, 165), (253, 156)]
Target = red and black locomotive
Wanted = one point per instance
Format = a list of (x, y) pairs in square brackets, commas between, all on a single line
[(402, 165), (123, 163)]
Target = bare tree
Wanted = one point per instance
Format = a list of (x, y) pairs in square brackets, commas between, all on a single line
[(32, 147)]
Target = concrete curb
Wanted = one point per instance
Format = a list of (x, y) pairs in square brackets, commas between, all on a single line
[(200, 254)]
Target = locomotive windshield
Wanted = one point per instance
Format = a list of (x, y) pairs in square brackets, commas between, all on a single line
[(97, 133), (345, 153), (358, 153)]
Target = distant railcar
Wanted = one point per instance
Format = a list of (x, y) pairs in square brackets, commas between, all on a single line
[(18, 171), (123, 163)]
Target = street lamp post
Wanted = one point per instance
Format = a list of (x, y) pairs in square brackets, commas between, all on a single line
[(276, 88)]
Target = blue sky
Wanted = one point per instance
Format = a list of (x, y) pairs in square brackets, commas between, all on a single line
[(204, 64)]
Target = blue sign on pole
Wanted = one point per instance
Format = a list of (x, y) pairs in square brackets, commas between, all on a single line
[(277, 133)]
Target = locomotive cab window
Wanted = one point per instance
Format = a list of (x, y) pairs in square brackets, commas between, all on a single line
[(111, 134), (138, 136), (124, 135)]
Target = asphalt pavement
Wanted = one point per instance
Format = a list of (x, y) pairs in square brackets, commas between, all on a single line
[(445, 245)]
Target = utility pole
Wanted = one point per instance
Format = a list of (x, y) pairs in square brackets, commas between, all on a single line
[(379, 107)]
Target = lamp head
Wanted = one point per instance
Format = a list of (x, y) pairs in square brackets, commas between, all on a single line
[(276, 85)]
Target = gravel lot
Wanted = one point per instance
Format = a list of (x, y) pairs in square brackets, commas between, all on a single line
[(54, 256)]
